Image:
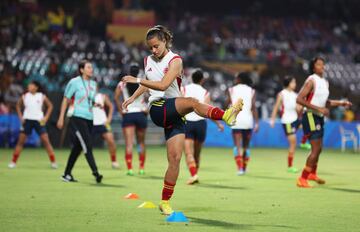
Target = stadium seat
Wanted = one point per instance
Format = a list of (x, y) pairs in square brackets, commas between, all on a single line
[(348, 136)]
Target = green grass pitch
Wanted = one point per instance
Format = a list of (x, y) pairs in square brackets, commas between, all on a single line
[(32, 197)]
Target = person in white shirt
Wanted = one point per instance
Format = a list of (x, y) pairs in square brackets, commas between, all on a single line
[(134, 121), (247, 120), (195, 127), (314, 96), (164, 71), (102, 124), (286, 98), (33, 118)]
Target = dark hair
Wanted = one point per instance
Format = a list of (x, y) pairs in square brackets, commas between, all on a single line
[(197, 76), (244, 78), (162, 33), (82, 64), (133, 71), (313, 61), (287, 80), (40, 88)]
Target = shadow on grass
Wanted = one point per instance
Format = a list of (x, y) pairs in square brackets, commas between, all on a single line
[(230, 225), (271, 177), (151, 177), (218, 186), (345, 190), (104, 185)]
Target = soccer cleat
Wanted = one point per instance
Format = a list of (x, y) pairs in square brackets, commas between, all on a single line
[(141, 172), (68, 178), (54, 165), (12, 165), (230, 114), (115, 165), (302, 183), (193, 180), (98, 178), (130, 172), (292, 170), (165, 208), (241, 172), (315, 178), (306, 146)]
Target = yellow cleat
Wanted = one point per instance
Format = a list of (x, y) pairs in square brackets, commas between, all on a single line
[(230, 114), (165, 208)]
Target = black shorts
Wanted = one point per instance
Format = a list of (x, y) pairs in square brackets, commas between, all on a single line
[(163, 113), (138, 119), (196, 130), (291, 128), (313, 125), (29, 125), (245, 133), (100, 129)]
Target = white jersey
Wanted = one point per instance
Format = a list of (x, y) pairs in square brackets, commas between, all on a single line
[(99, 110), (33, 106), (155, 70), (245, 119), (320, 93), (198, 92), (288, 106), (138, 105)]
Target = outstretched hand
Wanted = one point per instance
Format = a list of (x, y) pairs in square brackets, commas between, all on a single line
[(129, 79)]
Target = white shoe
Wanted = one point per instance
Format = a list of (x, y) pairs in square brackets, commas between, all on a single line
[(54, 165), (115, 165), (241, 172), (193, 180), (12, 165)]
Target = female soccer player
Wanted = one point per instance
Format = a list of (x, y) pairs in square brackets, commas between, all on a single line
[(314, 96), (33, 118), (102, 124), (289, 116), (164, 71), (242, 130), (83, 90), (195, 128), (134, 121)]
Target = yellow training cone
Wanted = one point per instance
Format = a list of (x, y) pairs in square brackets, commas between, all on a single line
[(147, 205)]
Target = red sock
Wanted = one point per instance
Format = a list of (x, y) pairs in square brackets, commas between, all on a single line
[(303, 139), (167, 191), (239, 163), (314, 169), (113, 156), (15, 157), (142, 160), (246, 161), (306, 172), (290, 159), (192, 168), (215, 113), (52, 157), (128, 160)]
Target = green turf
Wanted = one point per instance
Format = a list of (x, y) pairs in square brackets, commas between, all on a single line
[(32, 197)]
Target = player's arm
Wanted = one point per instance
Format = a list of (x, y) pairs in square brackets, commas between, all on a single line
[(304, 92), (254, 112), (218, 124), (228, 99), (64, 104), (141, 90), (117, 99), (49, 109), (19, 105), (275, 109), (175, 70), (110, 106), (336, 103)]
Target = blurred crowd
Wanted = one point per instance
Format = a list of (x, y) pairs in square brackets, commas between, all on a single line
[(45, 44)]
